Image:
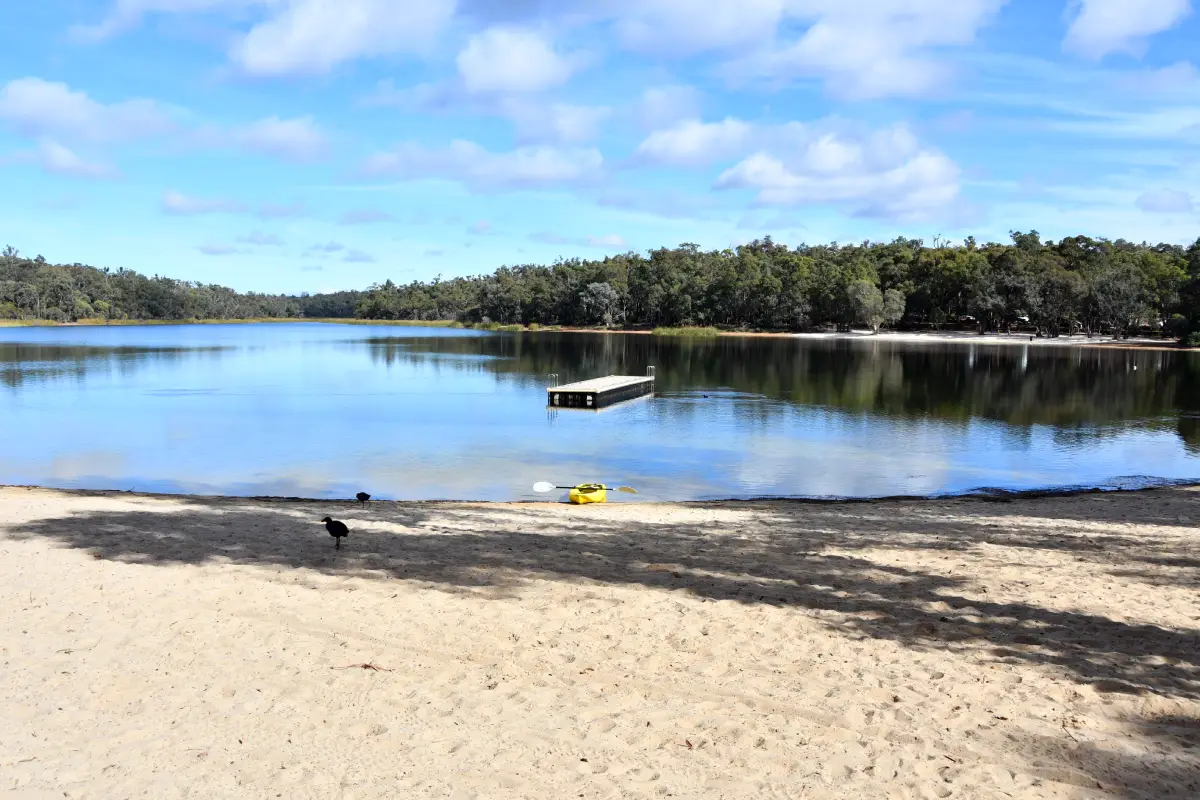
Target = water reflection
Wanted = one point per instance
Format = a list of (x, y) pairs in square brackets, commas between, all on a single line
[(328, 410), (1189, 432), (28, 362), (1021, 386)]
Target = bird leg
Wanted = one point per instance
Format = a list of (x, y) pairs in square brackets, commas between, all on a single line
[(337, 543)]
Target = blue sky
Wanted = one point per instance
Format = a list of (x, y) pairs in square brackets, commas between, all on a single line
[(308, 145)]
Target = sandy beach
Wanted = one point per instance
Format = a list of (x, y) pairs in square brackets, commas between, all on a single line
[(166, 647), (966, 337), (938, 337)]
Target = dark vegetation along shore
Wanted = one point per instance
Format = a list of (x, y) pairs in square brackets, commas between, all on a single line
[(1077, 284)]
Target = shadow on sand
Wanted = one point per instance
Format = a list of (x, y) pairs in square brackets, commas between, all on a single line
[(763, 553)]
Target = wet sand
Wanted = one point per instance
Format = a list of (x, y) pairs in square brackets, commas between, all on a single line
[(188, 647)]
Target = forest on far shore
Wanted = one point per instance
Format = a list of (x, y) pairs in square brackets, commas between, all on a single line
[(1077, 284)]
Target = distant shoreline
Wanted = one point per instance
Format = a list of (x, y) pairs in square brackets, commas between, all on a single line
[(938, 337), (148, 323), (984, 494), (925, 337), (962, 337)]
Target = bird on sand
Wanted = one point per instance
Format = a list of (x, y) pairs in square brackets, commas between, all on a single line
[(363, 497), (337, 530)]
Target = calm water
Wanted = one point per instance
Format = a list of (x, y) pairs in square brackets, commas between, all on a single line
[(320, 410)]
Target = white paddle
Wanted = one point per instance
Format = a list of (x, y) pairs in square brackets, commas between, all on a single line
[(544, 486)]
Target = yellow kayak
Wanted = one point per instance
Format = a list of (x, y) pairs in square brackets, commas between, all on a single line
[(588, 493)]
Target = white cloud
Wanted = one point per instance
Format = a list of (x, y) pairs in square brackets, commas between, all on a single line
[(686, 26), (39, 108), (1170, 123), (56, 159), (1165, 201), (505, 59), (864, 48), (873, 48), (479, 169), (692, 142), (1181, 76), (59, 160), (178, 204), (35, 107), (128, 13), (327, 248), (480, 228), (609, 242), (290, 139), (662, 106), (554, 122), (886, 173), (860, 48), (299, 140), (366, 216), (1101, 27), (535, 119), (309, 37)]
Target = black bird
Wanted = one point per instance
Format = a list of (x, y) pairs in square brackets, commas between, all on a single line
[(363, 497), (337, 530)]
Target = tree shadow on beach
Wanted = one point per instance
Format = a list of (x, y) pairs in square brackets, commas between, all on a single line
[(754, 553), (815, 557), (1164, 769)]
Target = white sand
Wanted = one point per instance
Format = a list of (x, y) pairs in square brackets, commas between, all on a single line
[(162, 647), (966, 337)]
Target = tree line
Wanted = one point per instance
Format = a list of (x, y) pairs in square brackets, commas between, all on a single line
[(1078, 284), (32, 288)]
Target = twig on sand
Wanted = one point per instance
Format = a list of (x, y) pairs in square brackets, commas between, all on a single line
[(69, 650), (368, 665), (1067, 730)]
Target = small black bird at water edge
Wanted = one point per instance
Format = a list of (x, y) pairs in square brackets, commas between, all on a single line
[(363, 497), (337, 530)]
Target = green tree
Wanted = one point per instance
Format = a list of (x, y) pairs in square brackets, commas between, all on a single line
[(893, 306), (600, 303), (1120, 298), (1093, 283), (868, 304)]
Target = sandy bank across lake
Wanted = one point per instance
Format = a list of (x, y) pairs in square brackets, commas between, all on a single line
[(936, 337), (191, 647), (964, 337)]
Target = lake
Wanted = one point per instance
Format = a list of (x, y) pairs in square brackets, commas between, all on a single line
[(321, 410)]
